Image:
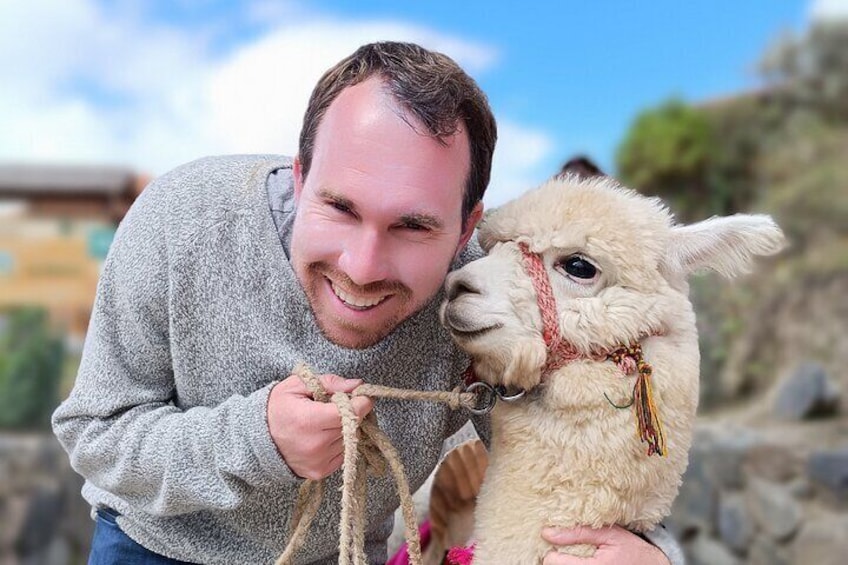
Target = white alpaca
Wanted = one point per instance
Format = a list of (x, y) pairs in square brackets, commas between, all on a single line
[(616, 266)]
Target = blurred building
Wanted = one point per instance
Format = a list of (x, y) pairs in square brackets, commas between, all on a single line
[(56, 225)]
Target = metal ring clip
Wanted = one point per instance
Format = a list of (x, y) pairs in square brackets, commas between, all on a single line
[(487, 395), (501, 391)]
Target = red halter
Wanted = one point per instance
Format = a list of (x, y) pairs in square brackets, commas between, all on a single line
[(560, 352)]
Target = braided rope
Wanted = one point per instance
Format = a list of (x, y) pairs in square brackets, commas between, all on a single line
[(454, 398), (366, 447), (544, 294)]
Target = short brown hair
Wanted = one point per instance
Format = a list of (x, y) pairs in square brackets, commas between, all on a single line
[(428, 84)]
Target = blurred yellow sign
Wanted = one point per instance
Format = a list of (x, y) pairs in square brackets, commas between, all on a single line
[(50, 272)]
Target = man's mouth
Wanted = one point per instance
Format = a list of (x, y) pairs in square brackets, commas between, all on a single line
[(355, 301)]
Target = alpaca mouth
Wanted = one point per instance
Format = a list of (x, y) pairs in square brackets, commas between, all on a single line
[(465, 323)]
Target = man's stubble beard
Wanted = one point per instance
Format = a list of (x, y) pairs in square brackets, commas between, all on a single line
[(316, 275)]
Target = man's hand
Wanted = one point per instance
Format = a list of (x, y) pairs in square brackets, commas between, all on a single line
[(615, 545), (308, 434)]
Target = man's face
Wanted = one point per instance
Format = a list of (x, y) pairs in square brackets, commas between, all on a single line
[(378, 216)]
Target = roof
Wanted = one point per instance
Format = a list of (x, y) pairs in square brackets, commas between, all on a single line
[(27, 179)]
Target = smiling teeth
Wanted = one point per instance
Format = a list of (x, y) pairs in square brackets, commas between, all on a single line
[(357, 301)]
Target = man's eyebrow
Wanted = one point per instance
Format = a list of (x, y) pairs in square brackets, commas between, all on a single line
[(424, 220), (336, 198)]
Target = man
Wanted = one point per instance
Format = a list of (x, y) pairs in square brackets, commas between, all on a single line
[(184, 420)]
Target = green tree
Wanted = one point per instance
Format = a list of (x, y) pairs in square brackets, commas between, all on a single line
[(31, 359), (668, 152)]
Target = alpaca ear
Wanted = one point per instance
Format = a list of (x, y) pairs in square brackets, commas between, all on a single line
[(726, 245)]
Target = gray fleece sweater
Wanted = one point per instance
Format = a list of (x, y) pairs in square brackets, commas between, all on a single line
[(198, 313)]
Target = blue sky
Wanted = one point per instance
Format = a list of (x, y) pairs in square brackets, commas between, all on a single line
[(151, 84)]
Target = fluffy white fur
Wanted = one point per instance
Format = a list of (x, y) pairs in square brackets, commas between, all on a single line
[(565, 456)]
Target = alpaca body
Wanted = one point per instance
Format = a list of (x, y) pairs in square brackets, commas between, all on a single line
[(558, 459)]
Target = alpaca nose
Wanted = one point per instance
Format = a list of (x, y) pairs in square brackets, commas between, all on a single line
[(459, 285)]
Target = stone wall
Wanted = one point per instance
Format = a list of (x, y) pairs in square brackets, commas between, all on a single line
[(768, 485), (43, 518)]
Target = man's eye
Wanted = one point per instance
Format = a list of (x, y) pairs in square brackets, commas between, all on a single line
[(414, 227), (344, 209)]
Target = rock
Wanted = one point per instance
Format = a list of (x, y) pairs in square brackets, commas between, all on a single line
[(695, 507), (830, 470), (48, 456), (774, 462), (800, 488), (12, 513), (774, 509), (58, 552), (764, 551), (43, 518), (5, 477), (806, 393), (708, 551), (724, 465), (822, 541), (76, 522), (735, 524), (40, 522)]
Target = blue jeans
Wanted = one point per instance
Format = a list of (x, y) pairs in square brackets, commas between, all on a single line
[(111, 546)]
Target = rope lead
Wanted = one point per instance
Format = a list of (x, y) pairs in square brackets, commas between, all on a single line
[(366, 447)]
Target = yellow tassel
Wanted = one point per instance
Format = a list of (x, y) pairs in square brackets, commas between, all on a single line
[(647, 415), (648, 425)]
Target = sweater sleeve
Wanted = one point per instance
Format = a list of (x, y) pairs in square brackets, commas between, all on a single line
[(667, 543), (121, 425)]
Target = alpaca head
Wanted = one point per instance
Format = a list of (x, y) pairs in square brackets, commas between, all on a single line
[(617, 266)]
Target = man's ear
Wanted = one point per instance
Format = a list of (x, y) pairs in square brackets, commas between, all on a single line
[(468, 229), (297, 173)]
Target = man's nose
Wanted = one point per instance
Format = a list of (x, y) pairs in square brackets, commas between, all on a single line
[(366, 258)]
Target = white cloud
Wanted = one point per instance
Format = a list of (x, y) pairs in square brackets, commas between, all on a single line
[(519, 153), (829, 10), (82, 84), (264, 87)]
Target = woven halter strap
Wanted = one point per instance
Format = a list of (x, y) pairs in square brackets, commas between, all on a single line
[(628, 358), (560, 352)]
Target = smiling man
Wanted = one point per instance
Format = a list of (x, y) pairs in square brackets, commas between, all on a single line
[(185, 421), (379, 214)]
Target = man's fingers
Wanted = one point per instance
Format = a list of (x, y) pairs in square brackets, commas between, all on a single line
[(335, 383), (292, 385), (330, 383), (362, 405), (335, 463), (325, 416)]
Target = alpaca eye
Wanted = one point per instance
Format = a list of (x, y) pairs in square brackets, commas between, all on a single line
[(578, 267)]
